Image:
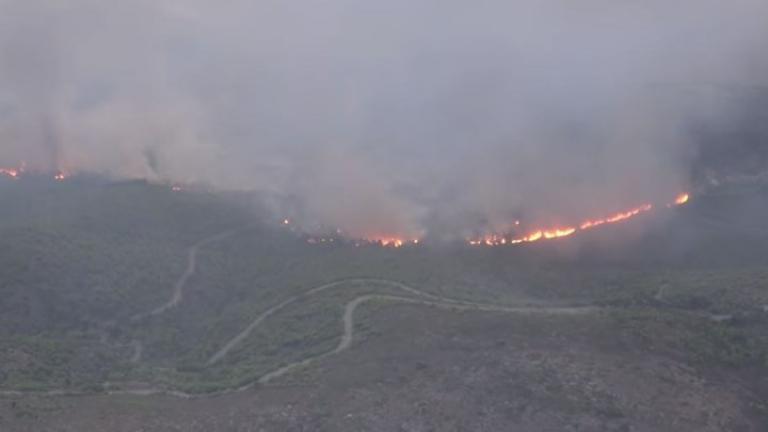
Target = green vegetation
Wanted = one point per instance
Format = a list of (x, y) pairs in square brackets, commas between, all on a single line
[(81, 260)]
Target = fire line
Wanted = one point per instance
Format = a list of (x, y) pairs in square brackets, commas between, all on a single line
[(558, 232)]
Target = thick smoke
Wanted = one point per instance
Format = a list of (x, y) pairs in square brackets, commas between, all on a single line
[(380, 118)]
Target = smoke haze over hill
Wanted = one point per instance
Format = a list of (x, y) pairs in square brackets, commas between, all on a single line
[(380, 117)]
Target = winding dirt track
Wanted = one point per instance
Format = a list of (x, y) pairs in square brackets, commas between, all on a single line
[(349, 324), (178, 289), (420, 298), (347, 336), (348, 329), (232, 343), (435, 301)]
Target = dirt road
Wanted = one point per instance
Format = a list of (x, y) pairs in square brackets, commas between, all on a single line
[(178, 289)]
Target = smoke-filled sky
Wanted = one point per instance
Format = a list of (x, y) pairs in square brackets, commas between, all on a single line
[(380, 117)]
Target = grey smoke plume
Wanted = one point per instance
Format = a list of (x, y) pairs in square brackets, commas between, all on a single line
[(393, 117)]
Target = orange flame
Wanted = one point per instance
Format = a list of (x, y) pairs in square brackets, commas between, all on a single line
[(559, 232), (394, 242), (14, 172), (11, 172), (682, 199), (547, 234), (504, 239), (389, 242), (553, 233), (618, 217)]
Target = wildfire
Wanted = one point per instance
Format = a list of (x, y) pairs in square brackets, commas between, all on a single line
[(500, 240), (16, 173), (682, 199), (553, 233), (391, 242), (13, 172), (508, 238), (388, 242), (395, 242), (618, 217), (10, 172)]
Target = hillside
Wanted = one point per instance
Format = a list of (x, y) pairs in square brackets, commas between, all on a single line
[(132, 289)]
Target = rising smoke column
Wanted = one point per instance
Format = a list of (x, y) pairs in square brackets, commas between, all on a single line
[(393, 118)]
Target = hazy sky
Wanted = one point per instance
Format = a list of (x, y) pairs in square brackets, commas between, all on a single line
[(380, 117)]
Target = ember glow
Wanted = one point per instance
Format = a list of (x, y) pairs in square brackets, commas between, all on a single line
[(395, 242), (13, 172), (536, 235), (682, 199), (391, 242), (513, 237), (559, 232), (17, 173), (10, 172), (387, 242), (618, 217)]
